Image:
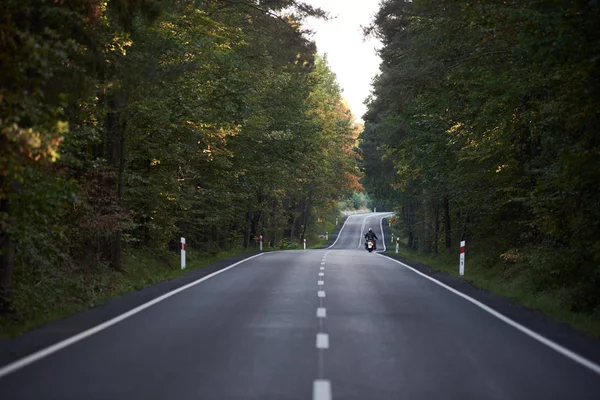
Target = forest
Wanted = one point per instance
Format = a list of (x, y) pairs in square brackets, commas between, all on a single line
[(127, 124), (483, 126)]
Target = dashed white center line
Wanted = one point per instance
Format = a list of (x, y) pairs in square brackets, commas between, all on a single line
[(321, 389), (322, 341)]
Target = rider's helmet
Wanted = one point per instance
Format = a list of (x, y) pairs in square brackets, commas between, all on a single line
[(369, 229)]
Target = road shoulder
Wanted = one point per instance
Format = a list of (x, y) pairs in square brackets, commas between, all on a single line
[(560, 333), (46, 335)]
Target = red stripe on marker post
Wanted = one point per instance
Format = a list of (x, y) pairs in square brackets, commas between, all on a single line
[(461, 268)]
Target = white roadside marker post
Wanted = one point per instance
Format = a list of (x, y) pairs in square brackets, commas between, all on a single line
[(461, 269), (336, 220), (304, 244), (397, 244), (326, 235), (392, 241), (260, 239), (374, 209), (183, 249)]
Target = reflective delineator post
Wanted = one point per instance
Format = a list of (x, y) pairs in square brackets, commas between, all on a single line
[(461, 269), (374, 209), (397, 245), (392, 241), (336, 221), (326, 235), (260, 242), (183, 249), (304, 244)]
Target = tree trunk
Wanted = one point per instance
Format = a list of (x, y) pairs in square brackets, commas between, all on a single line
[(115, 155), (437, 228), (411, 240), (409, 221), (254, 224), (447, 230), (117, 243), (7, 252), (247, 229), (426, 227)]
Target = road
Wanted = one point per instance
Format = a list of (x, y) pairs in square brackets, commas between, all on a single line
[(336, 323)]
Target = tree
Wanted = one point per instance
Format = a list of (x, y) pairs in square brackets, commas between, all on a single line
[(484, 109)]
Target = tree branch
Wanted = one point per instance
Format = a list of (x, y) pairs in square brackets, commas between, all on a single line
[(459, 61)]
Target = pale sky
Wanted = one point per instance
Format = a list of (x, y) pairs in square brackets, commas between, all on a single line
[(351, 58)]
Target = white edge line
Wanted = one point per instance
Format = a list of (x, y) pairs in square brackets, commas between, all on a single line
[(362, 229), (383, 234), (340, 232), (38, 355), (536, 336)]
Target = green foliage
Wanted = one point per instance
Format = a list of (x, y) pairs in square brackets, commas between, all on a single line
[(128, 124), (483, 126), (356, 201)]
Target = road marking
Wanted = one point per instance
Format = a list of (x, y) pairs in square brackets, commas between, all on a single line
[(321, 273), (320, 283), (38, 355), (383, 234), (321, 312), (322, 263), (536, 336), (362, 229), (340, 232), (321, 293), (322, 268), (322, 341), (321, 389)]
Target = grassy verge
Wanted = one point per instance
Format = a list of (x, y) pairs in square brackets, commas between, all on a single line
[(497, 278), (82, 288), (321, 228)]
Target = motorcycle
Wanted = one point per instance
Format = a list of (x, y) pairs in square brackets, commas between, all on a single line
[(371, 245)]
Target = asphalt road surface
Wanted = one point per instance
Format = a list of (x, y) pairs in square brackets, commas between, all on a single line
[(337, 323)]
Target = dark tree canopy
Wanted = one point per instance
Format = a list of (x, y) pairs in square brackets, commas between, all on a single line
[(483, 125)]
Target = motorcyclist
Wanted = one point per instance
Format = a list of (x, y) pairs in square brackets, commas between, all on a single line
[(370, 235)]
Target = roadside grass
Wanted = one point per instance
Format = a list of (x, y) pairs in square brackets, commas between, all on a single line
[(85, 288), (320, 228), (64, 292), (496, 277)]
